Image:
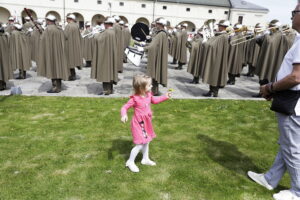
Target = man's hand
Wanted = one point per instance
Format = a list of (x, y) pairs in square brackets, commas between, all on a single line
[(124, 118), (265, 92)]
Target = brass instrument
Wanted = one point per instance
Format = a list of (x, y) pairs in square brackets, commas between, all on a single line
[(258, 31), (208, 29)]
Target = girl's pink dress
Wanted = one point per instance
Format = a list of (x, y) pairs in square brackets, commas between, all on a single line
[(142, 116)]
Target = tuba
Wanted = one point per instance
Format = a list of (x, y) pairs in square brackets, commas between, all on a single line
[(208, 29)]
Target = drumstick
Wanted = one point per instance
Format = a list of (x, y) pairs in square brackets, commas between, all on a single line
[(143, 32)]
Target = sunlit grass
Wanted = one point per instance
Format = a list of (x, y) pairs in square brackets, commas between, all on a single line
[(76, 148)]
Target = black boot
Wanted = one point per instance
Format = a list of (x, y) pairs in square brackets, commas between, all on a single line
[(79, 67), (106, 88), (24, 74), (179, 66), (20, 74), (213, 91), (174, 61), (2, 85), (263, 82), (251, 71), (231, 79), (72, 77), (155, 89), (56, 86), (88, 64), (195, 80), (111, 88)]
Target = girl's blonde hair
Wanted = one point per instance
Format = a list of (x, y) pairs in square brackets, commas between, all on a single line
[(139, 84)]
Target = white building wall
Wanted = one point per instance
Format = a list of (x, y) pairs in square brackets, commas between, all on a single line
[(132, 10), (250, 18)]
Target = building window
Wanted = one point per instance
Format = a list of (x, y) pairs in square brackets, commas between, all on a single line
[(76, 1), (99, 2), (164, 7), (240, 20), (226, 12), (143, 5), (209, 11), (188, 9), (121, 3)]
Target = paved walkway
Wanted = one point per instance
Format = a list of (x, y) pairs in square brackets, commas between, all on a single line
[(179, 80)]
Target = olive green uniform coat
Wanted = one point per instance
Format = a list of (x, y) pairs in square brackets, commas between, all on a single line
[(6, 71), (19, 51), (73, 45), (215, 61), (105, 60), (157, 66), (52, 59)]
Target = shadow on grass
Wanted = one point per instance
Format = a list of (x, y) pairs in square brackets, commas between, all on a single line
[(227, 155), (123, 147), (3, 98)]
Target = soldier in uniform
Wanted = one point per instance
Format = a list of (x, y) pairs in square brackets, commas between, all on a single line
[(35, 40), (52, 59), (195, 52), (174, 41), (6, 71), (181, 55), (10, 25), (120, 43), (236, 54), (216, 60), (88, 45), (105, 60), (73, 46), (274, 46), (253, 51), (28, 24), (157, 66), (19, 51), (127, 39)]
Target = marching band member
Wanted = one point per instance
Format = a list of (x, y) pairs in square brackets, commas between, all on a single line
[(87, 45), (19, 51), (73, 46), (52, 62), (105, 60), (181, 56), (216, 60)]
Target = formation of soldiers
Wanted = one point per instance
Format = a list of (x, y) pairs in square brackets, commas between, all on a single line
[(218, 52)]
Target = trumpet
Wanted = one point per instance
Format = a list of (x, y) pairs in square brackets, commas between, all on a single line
[(97, 29), (259, 33)]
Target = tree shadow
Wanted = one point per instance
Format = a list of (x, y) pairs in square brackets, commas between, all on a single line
[(227, 155), (123, 147)]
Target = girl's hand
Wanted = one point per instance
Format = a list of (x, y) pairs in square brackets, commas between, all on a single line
[(124, 118), (169, 94)]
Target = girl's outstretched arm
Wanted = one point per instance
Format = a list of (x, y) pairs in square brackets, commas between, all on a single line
[(156, 100)]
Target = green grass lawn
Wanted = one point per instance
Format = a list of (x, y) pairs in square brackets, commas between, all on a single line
[(76, 148)]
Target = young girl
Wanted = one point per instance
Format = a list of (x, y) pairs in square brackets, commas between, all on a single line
[(141, 123)]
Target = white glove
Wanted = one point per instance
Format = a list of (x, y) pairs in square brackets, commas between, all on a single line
[(30, 29), (143, 43), (189, 39), (141, 49), (148, 37)]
